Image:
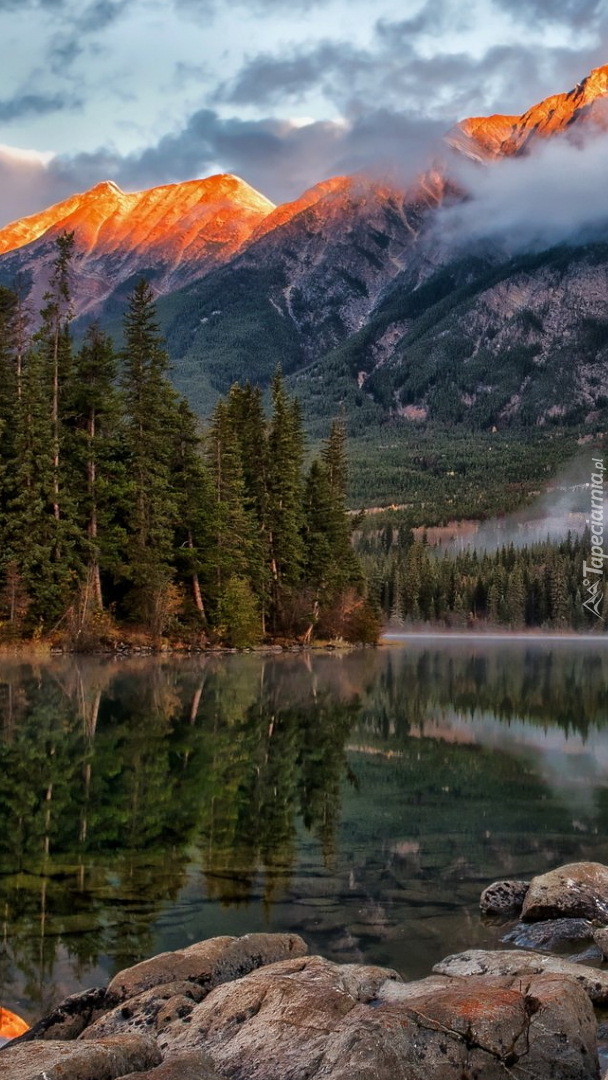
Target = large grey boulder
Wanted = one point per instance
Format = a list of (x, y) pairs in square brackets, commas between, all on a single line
[(513, 962), (578, 890), (307, 1019), (195, 1015), (208, 963), (106, 1059)]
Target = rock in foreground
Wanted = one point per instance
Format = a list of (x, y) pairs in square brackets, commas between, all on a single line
[(314, 1019), (106, 1059), (503, 898), (513, 962), (223, 1010), (578, 890)]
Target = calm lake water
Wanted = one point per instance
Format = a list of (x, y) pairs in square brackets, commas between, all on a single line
[(361, 799)]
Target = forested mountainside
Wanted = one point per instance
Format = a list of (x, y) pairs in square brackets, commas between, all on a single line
[(363, 296)]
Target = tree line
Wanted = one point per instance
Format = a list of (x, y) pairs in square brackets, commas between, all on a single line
[(116, 511), (538, 585)]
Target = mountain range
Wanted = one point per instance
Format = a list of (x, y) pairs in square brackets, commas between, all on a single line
[(354, 288)]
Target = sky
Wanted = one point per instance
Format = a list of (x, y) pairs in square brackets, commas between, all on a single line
[(284, 93)]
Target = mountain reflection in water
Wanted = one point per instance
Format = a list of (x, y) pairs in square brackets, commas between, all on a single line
[(362, 799)]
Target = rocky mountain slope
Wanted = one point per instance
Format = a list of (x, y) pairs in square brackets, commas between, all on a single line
[(171, 234), (583, 108), (309, 278), (352, 288)]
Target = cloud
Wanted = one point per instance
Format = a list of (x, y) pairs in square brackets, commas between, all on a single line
[(278, 157), (580, 14), (267, 79), (18, 5), (25, 182), (32, 104), (203, 9), (68, 44), (396, 72), (100, 14), (554, 194)]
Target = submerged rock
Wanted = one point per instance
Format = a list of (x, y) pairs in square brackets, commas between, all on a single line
[(549, 934), (578, 890), (503, 898)]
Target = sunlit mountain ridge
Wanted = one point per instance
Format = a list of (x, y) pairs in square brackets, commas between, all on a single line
[(358, 289)]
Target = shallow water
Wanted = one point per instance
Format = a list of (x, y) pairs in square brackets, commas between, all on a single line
[(361, 799)]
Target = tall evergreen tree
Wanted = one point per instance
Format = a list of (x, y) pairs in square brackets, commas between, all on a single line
[(54, 344), (151, 414), (244, 406), (285, 501), (195, 520), (232, 545), (41, 534), (97, 471)]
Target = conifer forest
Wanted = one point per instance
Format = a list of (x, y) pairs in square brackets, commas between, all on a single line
[(117, 513), (120, 515)]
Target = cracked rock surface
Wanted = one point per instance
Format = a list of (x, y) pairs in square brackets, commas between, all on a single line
[(258, 1008)]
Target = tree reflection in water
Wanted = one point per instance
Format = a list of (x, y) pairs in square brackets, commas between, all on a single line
[(117, 777)]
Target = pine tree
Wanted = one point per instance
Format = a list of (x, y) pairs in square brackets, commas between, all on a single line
[(55, 347), (41, 534), (285, 510), (39, 543), (244, 407), (516, 597), (8, 391), (230, 550), (151, 414), (97, 471), (195, 521)]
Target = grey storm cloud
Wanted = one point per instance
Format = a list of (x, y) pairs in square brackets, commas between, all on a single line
[(33, 104), (580, 14), (266, 79), (394, 72), (69, 43), (279, 159), (282, 160), (100, 14), (46, 5)]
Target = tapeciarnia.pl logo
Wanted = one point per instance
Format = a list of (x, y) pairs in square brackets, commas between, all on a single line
[(593, 571)]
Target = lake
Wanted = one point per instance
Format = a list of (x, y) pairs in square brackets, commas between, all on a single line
[(362, 798)]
